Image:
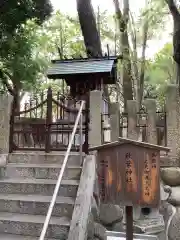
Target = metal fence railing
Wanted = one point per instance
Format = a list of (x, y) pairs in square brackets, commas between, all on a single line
[(79, 120)]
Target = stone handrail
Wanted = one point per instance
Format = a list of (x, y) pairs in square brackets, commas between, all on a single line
[(82, 208)]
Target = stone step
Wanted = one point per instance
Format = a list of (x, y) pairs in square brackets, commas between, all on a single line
[(36, 204), (41, 158), (38, 186), (31, 225), (40, 171), (168, 161), (6, 236)]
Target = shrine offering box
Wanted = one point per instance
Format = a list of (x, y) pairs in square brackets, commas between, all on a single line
[(129, 173)]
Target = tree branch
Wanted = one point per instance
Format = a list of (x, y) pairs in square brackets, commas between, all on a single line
[(143, 57), (117, 9), (126, 11), (133, 33), (119, 16), (122, 22)]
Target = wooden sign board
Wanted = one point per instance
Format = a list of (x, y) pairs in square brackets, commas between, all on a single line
[(129, 173), (122, 236)]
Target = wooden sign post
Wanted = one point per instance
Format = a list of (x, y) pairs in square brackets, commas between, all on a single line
[(129, 174), (129, 222)]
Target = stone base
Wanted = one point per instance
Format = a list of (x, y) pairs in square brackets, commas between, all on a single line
[(3, 163), (3, 160), (150, 226)]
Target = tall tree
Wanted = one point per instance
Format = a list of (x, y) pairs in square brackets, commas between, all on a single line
[(13, 17), (21, 65), (139, 35), (89, 28), (135, 33), (123, 19), (14, 42), (15, 13), (90, 32), (176, 35)]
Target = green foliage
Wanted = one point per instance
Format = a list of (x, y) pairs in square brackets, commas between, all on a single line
[(18, 66), (26, 49), (163, 65), (68, 38), (160, 72), (15, 13), (58, 86), (63, 32), (18, 60)]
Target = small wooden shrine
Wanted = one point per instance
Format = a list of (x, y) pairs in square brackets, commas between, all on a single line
[(84, 75), (129, 173)]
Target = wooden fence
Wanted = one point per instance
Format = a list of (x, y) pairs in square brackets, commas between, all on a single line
[(45, 123)]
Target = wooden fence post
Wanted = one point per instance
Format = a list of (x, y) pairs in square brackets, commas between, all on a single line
[(87, 120), (48, 121)]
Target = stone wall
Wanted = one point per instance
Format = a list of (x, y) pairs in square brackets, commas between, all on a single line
[(5, 108), (173, 124), (149, 220), (165, 220), (170, 174), (171, 177), (102, 218), (109, 217)]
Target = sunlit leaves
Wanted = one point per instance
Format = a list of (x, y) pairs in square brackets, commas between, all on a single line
[(160, 72), (18, 58)]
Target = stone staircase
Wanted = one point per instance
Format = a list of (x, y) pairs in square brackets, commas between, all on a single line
[(26, 187)]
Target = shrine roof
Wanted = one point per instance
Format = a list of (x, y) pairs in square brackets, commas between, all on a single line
[(104, 66), (122, 141)]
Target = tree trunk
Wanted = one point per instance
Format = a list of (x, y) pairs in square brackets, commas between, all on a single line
[(90, 33), (143, 58), (127, 74), (17, 90), (17, 99), (176, 36), (127, 77), (89, 29)]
